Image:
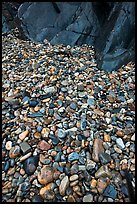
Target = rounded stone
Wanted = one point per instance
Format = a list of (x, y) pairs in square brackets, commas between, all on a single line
[(8, 145), (14, 152)]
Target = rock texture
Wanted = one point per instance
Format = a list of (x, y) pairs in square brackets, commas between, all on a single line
[(101, 24)]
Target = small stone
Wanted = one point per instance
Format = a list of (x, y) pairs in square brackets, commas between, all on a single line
[(23, 135), (39, 129), (30, 165), (103, 171), (101, 185), (133, 137), (63, 185), (71, 198), (61, 133), (104, 158), (97, 149), (73, 156), (110, 191), (37, 198), (34, 115), (14, 152), (107, 138), (120, 133), (45, 132), (73, 177), (82, 167), (88, 198), (8, 145), (45, 176), (33, 103), (74, 183), (91, 101), (43, 145), (25, 147), (120, 143), (76, 188), (93, 183), (90, 164), (37, 135), (44, 192)]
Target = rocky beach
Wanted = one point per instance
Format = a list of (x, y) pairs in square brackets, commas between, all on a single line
[(68, 127)]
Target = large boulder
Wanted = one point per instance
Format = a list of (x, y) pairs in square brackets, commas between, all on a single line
[(108, 26)]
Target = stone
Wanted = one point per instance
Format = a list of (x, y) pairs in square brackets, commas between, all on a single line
[(88, 198), (133, 137), (110, 191), (97, 149), (71, 198), (74, 183), (25, 147), (37, 198), (73, 177), (104, 158), (107, 138), (30, 165), (63, 185), (33, 103), (90, 101), (120, 143), (101, 184), (43, 145), (23, 135), (35, 115), (120, 133), (45, 132), (93, 183), (73, 156), (102, 172), (44, 192), (61, 133), (8, 145), (90, 164), (14, 152), (47, 174)]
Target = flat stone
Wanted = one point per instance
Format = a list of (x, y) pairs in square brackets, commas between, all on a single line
[(30, 165), (73, 177), (33, 103), (101, 184), (25, 147), (73, 156), (71, 198), (8, 145), (61, 133), (43, 145), (23, 135), (91, 101), (102, 172), (110, 191), (63, 185), (120, 133), (34, 115), (97, 149), (14, 152), (120, 143), (45, 132), (88, 198), (90, 164), (104, 158)]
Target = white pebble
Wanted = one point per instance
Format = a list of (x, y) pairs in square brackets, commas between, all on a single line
[(8, 145)]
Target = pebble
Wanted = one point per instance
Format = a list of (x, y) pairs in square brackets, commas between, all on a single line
[(133, 137), (110, 191), (107, 138), (103, 171), (73, 156), (71, 198), (88, 198), (43, 145), (104, 158), (14, 152), (101, 184), (63, 185), (61, 133), (8, 145), (33, 103), (73, 177), (120, 143), (37, 198), (30, 165), (25, 147), (44, 192), (97, 149), (23, 135)]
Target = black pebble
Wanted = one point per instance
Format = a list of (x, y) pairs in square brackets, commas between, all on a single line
[(33, 103), (30, 165), (37, 198), (6, 166)]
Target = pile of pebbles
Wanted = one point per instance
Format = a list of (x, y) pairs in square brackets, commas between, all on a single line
[(68, 128)]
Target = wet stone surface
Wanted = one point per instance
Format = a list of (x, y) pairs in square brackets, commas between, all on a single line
[(68, 127)]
